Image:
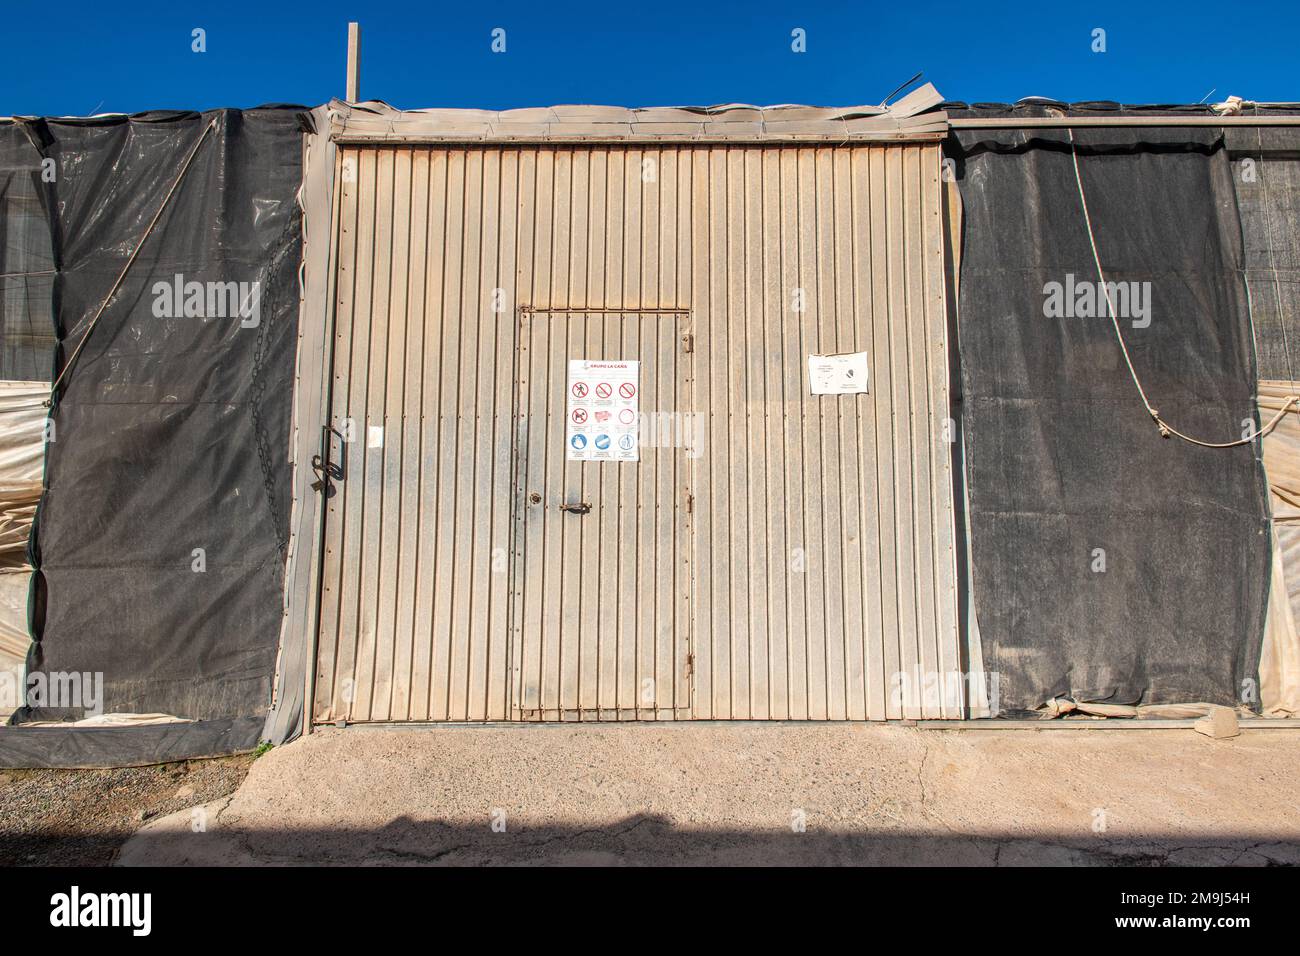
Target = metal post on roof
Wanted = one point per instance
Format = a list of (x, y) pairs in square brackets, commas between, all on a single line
[(354, 63)]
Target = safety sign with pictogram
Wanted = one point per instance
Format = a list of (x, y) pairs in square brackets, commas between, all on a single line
[(603, 421)]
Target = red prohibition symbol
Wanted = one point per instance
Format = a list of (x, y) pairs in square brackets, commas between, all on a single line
[(627, 389), (603, 390), (579, 389), (579, 416)]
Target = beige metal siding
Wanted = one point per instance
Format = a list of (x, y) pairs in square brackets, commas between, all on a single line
[(603, 633), (821, 559), (414, 609), (824, 541)]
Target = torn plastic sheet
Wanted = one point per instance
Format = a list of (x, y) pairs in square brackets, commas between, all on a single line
[(1060, 706), (22, 451), (112, 720), (911, 117), (15, 641)]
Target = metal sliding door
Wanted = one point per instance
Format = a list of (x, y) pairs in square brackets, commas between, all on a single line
[(773, 554)]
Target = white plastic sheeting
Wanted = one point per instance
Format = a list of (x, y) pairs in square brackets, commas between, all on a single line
[(1279, 665), (22, 427), (14, 639), (22, 424)]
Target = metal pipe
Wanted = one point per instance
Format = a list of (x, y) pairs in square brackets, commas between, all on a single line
[(640, 140), (1102, 723), (331, 321), (1129, 723), (604, 310), (1067, 122)]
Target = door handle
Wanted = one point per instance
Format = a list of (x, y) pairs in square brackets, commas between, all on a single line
[(578, 508), (327, 470)]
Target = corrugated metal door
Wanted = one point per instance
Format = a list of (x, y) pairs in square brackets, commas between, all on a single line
[(602, 591), (414, 614), (822, 576)]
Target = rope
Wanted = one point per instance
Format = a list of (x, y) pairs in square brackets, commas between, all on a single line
[(1165, 428), (212, 124)]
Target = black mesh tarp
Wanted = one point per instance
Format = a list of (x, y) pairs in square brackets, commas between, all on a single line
[(27, 264), (1109, 564), (161, 537), (1266, 167)]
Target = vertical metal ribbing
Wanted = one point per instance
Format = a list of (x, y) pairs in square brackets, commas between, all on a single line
[(819, 561)]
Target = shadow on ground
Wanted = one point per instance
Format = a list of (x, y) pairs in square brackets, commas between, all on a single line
[(653, 840)]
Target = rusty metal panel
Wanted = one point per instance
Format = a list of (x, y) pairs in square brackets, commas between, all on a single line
[(805, 567)]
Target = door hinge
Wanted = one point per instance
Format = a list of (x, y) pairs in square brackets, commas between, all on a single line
[(690, 664), (690, 502), (688, 342)]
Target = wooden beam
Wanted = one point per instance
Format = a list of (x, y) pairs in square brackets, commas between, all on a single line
[(354, 62)]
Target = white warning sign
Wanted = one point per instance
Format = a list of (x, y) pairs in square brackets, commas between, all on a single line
[(842, 374), (603, 417)]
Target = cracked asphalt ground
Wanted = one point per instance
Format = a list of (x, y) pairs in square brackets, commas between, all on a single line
[(82, 817), (750, 794)]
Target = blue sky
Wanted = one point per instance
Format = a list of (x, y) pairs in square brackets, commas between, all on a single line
[(76, 58)]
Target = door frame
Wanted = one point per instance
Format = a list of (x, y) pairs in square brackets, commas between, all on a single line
[(517, 564)]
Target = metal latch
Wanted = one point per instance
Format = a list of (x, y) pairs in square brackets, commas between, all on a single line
[(326, 468), (579, 508)]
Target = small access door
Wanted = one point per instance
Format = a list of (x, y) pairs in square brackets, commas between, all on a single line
[(601, 571)]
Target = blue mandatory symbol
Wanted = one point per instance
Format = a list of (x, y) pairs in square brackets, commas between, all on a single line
[(602, 442), (626, 442), (579, 442)]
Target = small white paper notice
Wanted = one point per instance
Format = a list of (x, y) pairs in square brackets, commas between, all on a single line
[(842, 374)]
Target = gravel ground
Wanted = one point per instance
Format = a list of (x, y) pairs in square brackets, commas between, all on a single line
[(82, 817)]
